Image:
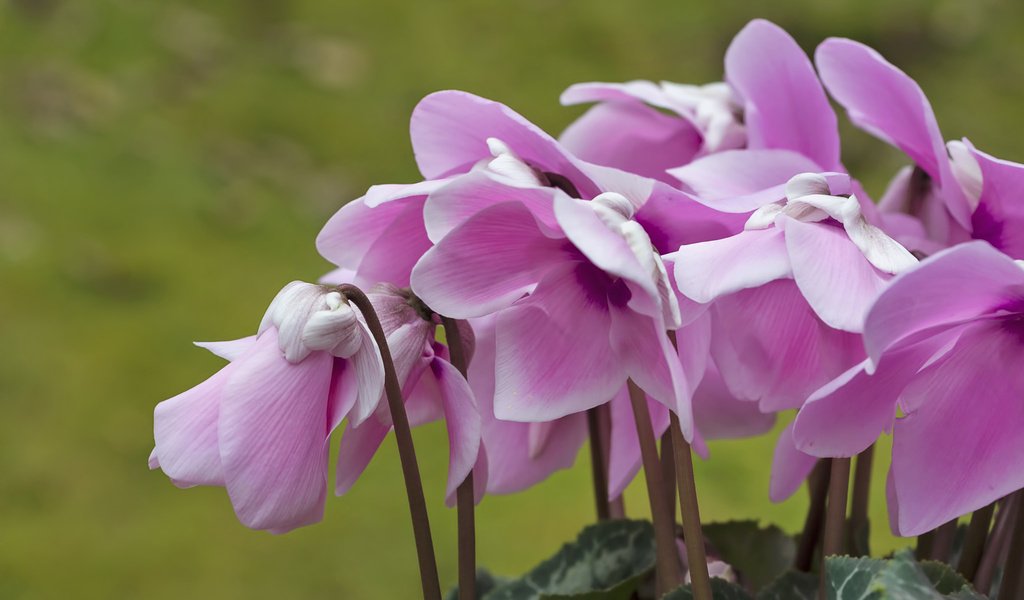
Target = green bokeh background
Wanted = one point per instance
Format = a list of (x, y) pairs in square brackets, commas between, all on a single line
[(164, 168)]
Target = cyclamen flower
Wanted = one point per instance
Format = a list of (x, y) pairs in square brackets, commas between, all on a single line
[(955, 191), (433, 389), (945, 342), (771, 100), (789, 292), (260, 426)]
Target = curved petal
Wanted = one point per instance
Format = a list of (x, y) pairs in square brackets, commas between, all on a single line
[(883, 100), (634, 138), (389, 192), (358, 445), (450, 130), (786, 106), (832, 273), (673, 218), (749, 259), (999, 218), (741, 181), (554, 357), (790, 467), (965, 436), (770, 346), (462, 419), (368, 370), (486, 263), (717, 414), (231, 349), (273, 431), (920, 299), (631, 91)]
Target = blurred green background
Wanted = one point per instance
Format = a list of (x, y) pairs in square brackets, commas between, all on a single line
[(164, 168)]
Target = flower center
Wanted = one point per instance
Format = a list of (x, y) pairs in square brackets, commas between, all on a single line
[(714, 108)]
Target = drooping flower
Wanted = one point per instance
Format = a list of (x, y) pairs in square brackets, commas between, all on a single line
[(771, 100), (432, 389), (954, 191), (945, 342), (260, 426)]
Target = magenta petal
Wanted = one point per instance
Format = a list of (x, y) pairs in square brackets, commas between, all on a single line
[(921, 298), (770, 346), (185, 430), (790, 467), (358, 445), (672, 218), (786, 106), (832, 273), (462, 419), (273, 433), (486, 263), (999, 218), (389, 192), (368, 370), (717, 414), (886, 102), (553, 353), (343, 392), (709, 270), (450, 130), (634, 138), (741, 181), (231, 349), (630, 91), (465, 196), (963, 446)]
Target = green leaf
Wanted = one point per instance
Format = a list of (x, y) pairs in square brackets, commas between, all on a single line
[(485, 583), (758, 554), (720, 590), (606, 562), (942, 577), (851, 578), (793, 585), (903, 578)]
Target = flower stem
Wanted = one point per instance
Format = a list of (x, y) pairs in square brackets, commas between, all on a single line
[(406, 451), (817, 485), (464, 501), (859, 500), (835, 516), (598, 462), (996, 547), (693, 535), (667, 557), (942, 544), (1013, 568), (974, 542), (668, 471)]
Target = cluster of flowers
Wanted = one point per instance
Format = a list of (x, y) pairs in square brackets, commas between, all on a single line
[(721, 214)]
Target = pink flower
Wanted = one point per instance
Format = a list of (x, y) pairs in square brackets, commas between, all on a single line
[(433, 389), (956, 192), (789, 293), (771, 99), (260, 426), (945, 342)]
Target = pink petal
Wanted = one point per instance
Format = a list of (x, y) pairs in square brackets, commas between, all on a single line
[(749, 259), (770, 346), (886, 102), (486, 263), (718, 414), (832, 273), (450, 130), (463, 421), (229, 350), (965, 438), (631, 91), (672, 218), (389, 192), (921, 298), (786, 106), (999, 218), (273, 434), (790, 467), (358, 445), (368, 370), (741, 181), (634, 138), (553, 353)]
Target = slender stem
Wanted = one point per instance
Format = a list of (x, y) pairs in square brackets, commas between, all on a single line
[(598, 464), (617, 506), (859, 500), (464, 500), (406, 451), (974, 541), (668, 471), (667, 557), (925, 543), (835, 516), (996, 548), (945, 536), (817, 485), (1013, 568), (693, 535)]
